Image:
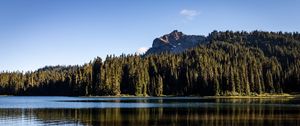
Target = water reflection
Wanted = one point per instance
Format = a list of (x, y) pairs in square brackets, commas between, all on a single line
[(221, 112)]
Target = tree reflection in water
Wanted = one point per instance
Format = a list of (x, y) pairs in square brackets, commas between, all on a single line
[(223, 112)]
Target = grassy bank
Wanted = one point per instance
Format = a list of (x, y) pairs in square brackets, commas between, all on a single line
[(264, 95)]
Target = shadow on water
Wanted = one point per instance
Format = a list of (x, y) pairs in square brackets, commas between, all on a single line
[(221, 112)]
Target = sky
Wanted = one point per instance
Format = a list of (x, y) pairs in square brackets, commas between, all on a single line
[(38, 33)]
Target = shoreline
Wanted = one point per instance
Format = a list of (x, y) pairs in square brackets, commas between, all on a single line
[(260, 96)]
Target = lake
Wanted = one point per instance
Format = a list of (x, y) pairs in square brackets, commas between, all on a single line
[(139, 111)]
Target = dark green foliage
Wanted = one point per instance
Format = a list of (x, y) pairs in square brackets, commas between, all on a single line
[(230, 63)]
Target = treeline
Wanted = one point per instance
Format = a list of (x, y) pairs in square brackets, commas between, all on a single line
[(230, 63)]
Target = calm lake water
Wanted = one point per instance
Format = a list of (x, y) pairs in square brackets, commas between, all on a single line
[(135, 111)]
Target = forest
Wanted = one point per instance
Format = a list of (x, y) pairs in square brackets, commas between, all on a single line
[(230, 63)]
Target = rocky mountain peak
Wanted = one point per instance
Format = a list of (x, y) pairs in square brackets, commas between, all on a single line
[(176, 35), (175, 42), (168, 38)]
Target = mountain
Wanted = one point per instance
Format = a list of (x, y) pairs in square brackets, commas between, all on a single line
[(223, 63), (175, 42)]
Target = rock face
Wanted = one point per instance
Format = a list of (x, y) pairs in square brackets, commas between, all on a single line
[(175, 42)]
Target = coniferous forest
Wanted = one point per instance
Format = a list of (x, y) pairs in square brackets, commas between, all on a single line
[(230, 63)]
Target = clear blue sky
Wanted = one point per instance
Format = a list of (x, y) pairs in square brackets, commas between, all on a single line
[(35, 33)]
